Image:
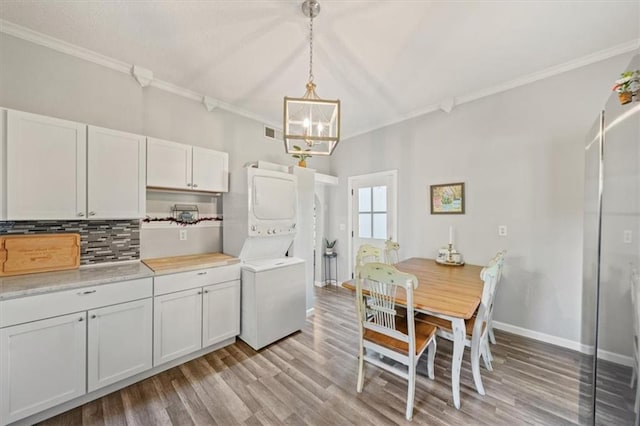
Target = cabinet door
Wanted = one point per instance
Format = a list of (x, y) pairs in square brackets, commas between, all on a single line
[(119, 342), (42, 364), (210, 170), (177, 325), (220, 312), (46, 167), (168, 164), (116, 173)]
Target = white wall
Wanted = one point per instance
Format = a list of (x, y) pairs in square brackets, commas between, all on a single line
[(521, 155)]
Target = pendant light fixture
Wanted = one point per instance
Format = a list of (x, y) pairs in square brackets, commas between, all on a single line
[(311, 124)]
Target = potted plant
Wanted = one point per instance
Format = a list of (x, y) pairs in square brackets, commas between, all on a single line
[(329, 246), (301, 156), (624, 86)]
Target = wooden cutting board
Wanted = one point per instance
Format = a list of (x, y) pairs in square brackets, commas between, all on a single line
[(28, 254)]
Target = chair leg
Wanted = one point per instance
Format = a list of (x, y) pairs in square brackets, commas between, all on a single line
[(411, 391), (492, 337), (360, 368), (486, 356), (475, 363), (431, 357)]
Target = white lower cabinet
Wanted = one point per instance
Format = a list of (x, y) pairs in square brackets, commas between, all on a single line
[(194, 310), (177, 325), (119, 343), (220, 312), (42, 364)]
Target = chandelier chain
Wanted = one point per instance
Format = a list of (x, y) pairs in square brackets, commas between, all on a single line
[(311, 49)]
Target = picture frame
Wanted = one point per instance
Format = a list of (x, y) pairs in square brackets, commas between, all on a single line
[(447, 198)]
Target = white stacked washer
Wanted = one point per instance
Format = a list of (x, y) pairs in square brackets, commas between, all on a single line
[(260, 213)]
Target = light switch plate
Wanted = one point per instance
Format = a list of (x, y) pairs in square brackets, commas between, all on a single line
[(502, 230), (627, 236), (183, 235)]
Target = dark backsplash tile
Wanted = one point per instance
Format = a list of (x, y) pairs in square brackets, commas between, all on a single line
[(100, 240)]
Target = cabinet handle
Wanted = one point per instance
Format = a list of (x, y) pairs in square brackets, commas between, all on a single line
[(80, 214), (82, 293), (80, 319), (94, 316), (92, 213), (202, 273), (188, 184), (195, 185), (199, 292), (206, 291)]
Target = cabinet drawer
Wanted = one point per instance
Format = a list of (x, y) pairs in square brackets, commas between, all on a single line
[(199, 278), (32, 308)]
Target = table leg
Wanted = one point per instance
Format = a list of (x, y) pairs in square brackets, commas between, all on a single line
[(456, 359)]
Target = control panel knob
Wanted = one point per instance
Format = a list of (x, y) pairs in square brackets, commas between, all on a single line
[(253, 227)]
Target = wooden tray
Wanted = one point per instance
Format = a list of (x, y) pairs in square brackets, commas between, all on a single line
[(28, 254)]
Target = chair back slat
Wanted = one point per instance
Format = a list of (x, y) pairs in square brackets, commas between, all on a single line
[(635, 298)]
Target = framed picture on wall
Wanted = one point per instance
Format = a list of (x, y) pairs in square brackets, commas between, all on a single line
[(447, 198)]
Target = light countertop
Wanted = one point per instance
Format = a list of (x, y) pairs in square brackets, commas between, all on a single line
[(174, 264), (46, 282)]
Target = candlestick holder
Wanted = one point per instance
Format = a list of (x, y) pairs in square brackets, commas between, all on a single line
[(449, 256)]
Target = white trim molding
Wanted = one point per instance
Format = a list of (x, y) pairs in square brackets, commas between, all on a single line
[(41, 39), (565, 343), (621, 49), (310, 312), (142, 75)]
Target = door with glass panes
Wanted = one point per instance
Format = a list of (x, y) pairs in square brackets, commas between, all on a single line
[(373, 211)]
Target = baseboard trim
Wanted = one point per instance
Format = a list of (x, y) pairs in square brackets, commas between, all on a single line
[(564, 343), (310, 312)]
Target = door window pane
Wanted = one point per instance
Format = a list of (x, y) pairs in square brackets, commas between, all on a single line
[(380, 226), (364, 199), (364, 223), (379, 199)]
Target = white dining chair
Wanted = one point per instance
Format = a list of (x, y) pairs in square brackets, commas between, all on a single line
[(368, 253), (476, 336), (499, 259), (391, 249), (381, 331)]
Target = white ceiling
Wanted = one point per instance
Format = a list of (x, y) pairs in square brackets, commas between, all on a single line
[(385, 60)]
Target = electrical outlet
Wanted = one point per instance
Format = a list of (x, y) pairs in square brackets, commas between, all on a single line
[(183, 235), (626, 238), (343, 226), (502, 230)]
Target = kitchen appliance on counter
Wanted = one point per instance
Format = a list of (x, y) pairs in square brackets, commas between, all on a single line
[(260, 213)]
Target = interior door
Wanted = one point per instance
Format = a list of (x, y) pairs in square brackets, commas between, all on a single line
[(373, 211)]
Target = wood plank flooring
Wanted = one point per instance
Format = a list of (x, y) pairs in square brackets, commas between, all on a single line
[(310, 378)]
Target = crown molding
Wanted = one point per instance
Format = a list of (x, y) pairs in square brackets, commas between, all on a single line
[(621, 49), (32, 36), (41, 39), (27, 34)]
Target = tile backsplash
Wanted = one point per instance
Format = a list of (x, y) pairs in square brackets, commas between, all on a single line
[(100, 240)]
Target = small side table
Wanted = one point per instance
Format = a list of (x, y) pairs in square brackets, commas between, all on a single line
[(328, 277)]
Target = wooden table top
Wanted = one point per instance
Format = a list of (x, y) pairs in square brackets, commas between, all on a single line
[(454, 291)]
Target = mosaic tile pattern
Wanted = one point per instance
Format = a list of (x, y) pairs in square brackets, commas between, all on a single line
[(100, 240)]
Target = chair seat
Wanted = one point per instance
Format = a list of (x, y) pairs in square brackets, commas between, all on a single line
[(424, 333), (445, 324)]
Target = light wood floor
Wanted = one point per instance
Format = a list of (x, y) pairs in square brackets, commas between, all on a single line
[(310, 378)]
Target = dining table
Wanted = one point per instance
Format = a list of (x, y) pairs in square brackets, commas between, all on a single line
[(451, 292)]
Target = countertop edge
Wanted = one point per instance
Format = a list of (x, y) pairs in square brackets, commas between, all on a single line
[(188, 268)]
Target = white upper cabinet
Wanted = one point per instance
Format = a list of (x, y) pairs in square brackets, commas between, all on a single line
[(168, 164), (116, 171), (46, 167), (210, 170), (177, 166)]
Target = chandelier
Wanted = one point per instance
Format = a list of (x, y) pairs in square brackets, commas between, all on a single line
[(311, 124)]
